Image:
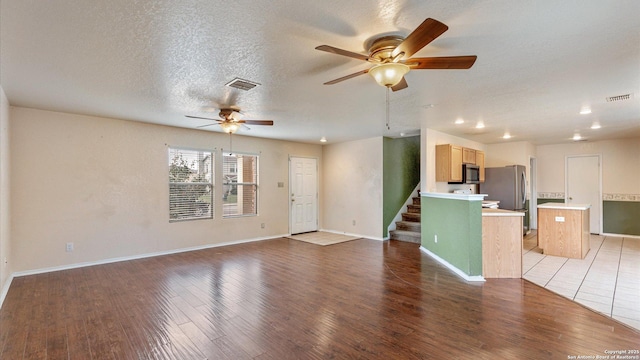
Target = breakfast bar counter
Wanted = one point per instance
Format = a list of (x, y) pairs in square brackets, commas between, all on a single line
[(501, 243), (563, 229)]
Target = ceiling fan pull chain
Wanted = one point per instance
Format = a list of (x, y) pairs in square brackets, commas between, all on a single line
[(388, 89), (230, 144)]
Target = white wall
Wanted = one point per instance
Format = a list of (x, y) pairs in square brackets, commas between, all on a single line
[(429, 139), (103, 185), (352, 184), (620, 164), (5, 240)]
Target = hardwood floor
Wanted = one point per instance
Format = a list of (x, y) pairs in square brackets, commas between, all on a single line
[(285, 299)]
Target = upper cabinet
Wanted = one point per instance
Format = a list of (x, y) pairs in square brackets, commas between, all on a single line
[(449, 160), (480, 163), (448, 163), (468, 156)]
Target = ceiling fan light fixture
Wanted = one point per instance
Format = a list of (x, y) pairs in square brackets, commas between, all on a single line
[(229, 127), (388, 74)]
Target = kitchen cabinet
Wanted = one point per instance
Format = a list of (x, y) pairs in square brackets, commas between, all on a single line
[(501, 243), (563, 229), (449, 163), (480, 163), (468, 156)]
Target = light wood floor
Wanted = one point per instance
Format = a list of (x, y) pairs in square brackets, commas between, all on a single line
[(286, 299)]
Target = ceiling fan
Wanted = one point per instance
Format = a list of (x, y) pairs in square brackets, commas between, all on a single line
[(229, 121), (392, 56)]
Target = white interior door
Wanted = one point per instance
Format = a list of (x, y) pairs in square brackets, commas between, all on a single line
[(304, 194), (583, 186)]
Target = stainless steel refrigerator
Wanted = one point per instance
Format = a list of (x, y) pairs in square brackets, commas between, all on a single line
[(508, 185)]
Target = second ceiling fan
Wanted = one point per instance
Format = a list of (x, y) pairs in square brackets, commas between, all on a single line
[(392, 56), (229, 122)]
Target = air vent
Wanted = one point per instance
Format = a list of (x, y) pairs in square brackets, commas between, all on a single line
[(242, 84), (619, 97)]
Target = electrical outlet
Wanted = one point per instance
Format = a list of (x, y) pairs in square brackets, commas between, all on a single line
[(435, 238), (69, 247)]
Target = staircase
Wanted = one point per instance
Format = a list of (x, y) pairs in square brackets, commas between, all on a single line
[(409, 228)]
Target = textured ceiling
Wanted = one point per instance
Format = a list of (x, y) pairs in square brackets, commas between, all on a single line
[(539, 63)]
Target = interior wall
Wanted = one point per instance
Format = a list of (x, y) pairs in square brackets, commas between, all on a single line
[(512, 153), (353, 187), (6, 260), (103, 185), (430, 138), (620, 164)]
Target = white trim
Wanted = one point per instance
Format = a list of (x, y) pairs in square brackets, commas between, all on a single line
[(467, 197), (458, 272), (621, 235), (136, 257), (5, 289)]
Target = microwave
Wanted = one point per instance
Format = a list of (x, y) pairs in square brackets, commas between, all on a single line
[(470, 175)]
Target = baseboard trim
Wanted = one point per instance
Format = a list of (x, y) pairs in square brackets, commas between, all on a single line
[(140, 256), (5, 289), (621, 235), (470, 278)]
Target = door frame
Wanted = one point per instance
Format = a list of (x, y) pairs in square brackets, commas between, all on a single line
[(291, 189), (566, 181), (533, 199)]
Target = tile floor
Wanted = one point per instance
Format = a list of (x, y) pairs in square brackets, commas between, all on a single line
[(607, 280)]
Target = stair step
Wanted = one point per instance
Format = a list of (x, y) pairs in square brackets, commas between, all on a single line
[(408, 236), (413, 208), (411, 217), (408, 226), (416, 200)]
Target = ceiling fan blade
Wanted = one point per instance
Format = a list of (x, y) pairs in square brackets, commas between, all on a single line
[(428, 31), (198, 117), (335, 50), (401, 85), (256, 122), (346, 77), (201, 126), (444, 62)]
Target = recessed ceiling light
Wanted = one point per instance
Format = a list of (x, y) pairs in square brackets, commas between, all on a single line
[(577, 137), (506, 136), (459, 121), (595, 126), (585, 111), (480, 125), (323, 139)]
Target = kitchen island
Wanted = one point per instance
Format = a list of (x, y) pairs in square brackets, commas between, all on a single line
[(501, 243), (563, 229)]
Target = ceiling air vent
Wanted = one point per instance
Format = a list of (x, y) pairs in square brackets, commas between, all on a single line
[(242, 84), (619, 97)]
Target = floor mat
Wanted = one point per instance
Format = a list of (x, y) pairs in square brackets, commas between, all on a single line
[(323, 238)]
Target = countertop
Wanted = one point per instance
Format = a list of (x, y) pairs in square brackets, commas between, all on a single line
[(564, 206), (500, 212)]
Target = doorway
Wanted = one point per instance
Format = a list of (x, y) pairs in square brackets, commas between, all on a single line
[(303, 177), (583, 186)]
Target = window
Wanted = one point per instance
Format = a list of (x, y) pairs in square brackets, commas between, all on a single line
[(240, 188), (190, 184)]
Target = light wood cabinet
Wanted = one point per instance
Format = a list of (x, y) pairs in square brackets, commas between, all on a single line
[(501, 243), (480, 163), (468, 156), (449, 163), (563, 229)]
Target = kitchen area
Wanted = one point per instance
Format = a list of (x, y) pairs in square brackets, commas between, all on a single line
[(600, 274)]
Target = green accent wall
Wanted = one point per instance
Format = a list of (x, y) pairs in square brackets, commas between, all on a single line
[(400, 175), (458, 225), (621, 217)]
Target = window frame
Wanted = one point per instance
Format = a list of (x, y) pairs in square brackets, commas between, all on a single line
[(211, 183), (244, 183)]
